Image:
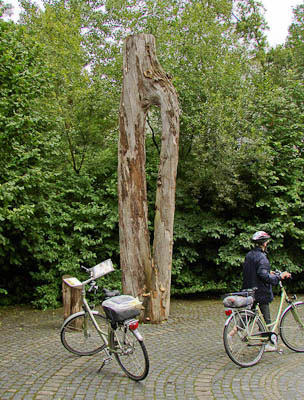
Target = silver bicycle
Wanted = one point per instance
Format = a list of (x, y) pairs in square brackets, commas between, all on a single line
[(115, 332)]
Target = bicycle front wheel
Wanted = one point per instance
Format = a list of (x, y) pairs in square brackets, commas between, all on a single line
[(79, 335), (130, 353), (292, 327), (243, 348)]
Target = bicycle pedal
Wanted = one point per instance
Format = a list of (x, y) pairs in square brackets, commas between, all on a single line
[(105, 362)]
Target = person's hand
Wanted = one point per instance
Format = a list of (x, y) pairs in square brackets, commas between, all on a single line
[(285, 275)]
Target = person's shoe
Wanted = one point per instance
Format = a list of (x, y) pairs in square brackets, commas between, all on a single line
[(269, 348)]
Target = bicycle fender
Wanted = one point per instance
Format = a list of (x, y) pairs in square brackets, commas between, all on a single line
[(137, 334), (228, 320), (289, 307), (68, 319)]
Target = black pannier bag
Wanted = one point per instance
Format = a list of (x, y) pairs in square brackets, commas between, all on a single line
[(120, 308)]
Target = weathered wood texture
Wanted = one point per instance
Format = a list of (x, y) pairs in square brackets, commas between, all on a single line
[(71, 298), (145, 84)]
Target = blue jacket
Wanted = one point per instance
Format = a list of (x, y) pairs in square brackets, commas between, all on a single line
[(256, 273)]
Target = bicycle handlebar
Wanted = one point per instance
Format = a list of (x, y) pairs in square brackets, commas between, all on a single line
[(93, 286), (279, 273), (85, 268)]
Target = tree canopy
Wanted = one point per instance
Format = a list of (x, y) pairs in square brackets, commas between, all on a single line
[(241, 140)]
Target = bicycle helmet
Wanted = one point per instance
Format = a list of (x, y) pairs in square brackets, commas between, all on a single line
[(260, 237)]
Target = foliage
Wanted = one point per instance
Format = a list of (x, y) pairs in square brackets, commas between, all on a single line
[(53, 217), (241, 144), (22, 124)]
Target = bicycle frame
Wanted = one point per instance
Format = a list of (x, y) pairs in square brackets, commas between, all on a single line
[(87, 309), (105, 337), (273, 327)]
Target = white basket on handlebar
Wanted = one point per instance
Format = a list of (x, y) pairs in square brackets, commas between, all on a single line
[(102, 269)]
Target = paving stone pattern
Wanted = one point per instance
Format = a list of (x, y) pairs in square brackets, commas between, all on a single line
[(187, 361)]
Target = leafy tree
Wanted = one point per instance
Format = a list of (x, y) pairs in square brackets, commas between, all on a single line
[(58, 179), (295, 40), (26, 149), (81, 100), (281, 110), (241, 152)]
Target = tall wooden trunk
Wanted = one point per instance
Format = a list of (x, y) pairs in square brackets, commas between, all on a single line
[(145, 84)]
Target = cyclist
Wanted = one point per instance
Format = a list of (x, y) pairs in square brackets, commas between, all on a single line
[(257, 273)]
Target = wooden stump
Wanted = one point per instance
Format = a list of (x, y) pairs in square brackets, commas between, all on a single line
[(71, 298)]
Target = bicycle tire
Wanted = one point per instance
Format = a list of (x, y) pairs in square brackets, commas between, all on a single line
[(130, 353), (238, 348), (79, 341), (291, 332)]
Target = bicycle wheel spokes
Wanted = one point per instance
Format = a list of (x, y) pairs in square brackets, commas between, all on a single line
[(292, 327), (80, 336), (241, 345), (130, 353)]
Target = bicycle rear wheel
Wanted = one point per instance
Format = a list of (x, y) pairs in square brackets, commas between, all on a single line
[(240, 348), (79, 335), (292, 327), (130, 353)]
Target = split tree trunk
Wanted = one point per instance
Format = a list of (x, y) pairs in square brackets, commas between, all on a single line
[(145, 84)]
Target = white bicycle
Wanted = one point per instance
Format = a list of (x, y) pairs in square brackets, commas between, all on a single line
[(115, 332)]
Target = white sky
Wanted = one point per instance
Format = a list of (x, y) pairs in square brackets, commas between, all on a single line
[(278, 16)]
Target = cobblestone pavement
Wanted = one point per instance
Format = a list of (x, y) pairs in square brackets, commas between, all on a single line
[(187, 361)]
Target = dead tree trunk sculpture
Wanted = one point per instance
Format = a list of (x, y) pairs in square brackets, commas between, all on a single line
[(145, 84)]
